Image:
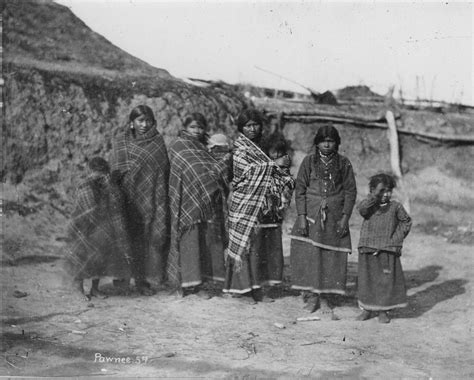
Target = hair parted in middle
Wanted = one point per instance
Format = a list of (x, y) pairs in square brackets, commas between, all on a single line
[(142, 110), (249, 114), (325, 131)]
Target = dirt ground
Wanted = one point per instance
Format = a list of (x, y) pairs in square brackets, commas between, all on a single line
[(50, 332)]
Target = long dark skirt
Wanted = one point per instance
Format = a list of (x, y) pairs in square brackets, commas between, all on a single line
[(201, 254), (381, 284), (263, 266), (316, 269)]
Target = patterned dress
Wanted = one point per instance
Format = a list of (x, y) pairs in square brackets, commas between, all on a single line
[(325, 190), (381, 283)]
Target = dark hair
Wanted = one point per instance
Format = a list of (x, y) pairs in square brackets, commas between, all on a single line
[(326, 131), (250, 114), (142, 110), (277, 144), (195, 116), (383, 178), (98, 164)]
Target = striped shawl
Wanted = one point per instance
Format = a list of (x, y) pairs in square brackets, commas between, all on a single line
[(255, 177), (98, 243), (143, 162), (195, 180)]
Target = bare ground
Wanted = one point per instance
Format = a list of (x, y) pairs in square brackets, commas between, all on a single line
[(50, 332)]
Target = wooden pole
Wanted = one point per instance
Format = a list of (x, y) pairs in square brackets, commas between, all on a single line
[(395, 158)]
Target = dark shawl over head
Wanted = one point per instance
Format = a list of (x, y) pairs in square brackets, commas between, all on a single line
[(195, 179), (97, 233), (143, 162)]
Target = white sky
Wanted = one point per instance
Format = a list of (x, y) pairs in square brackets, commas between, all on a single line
[(321, 44)]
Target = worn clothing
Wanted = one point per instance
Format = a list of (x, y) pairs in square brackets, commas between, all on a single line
[(201, 255), (143, 163), (197, 183), (255, 177), (325, 190), (383, 227), (381, 284), (264, 264), (97, 232)]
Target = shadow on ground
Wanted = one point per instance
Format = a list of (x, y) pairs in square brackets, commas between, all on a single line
[(423, 301), (30, 260)]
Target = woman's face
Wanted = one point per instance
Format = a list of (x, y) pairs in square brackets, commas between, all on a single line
[(196, 130), (327, 146), (252, 130), (142, 124)]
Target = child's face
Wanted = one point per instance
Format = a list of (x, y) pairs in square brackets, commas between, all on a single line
[(383, 192), (386, 195), (327, 146), (274, 154), (142, 124), (196, 130)]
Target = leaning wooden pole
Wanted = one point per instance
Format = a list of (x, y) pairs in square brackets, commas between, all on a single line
[(395, 158)]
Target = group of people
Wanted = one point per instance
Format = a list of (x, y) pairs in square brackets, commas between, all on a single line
[(199, 211)]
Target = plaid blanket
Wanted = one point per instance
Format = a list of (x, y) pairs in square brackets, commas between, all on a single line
[(98, 243), (256, 177), (143, 162), (196, 179)]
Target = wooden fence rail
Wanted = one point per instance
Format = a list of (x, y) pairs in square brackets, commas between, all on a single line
[(363, 122)]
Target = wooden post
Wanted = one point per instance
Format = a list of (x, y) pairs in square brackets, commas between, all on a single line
[(395, 158)]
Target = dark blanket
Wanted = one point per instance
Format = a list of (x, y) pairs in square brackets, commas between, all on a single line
[(196, 181), (143, 162), (98, 243)]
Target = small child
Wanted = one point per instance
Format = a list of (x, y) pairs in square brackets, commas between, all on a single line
[(218, 146), (386, 224), (275, 206), (98, 240)]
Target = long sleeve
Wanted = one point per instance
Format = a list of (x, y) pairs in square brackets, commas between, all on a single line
[(350, 188), (404, 223), (302, 183), (368, 206)]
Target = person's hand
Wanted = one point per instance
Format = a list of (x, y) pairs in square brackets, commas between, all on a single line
[(302, 225), (342, 226), (378, 191), (283, 161), (284, 203)]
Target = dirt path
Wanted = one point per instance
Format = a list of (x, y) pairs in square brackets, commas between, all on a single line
[(49, 332)]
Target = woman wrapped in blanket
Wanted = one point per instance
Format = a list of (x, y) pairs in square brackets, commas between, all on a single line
[(325, 195), (254, 255), (196, 191), (139, 154)]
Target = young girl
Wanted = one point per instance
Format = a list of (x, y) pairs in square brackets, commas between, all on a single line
[(385, 226), (98, 243), (325, 195)]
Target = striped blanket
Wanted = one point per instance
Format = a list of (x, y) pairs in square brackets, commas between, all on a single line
[(255, 177), (98, 243), (196, 178), (143, 162)]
